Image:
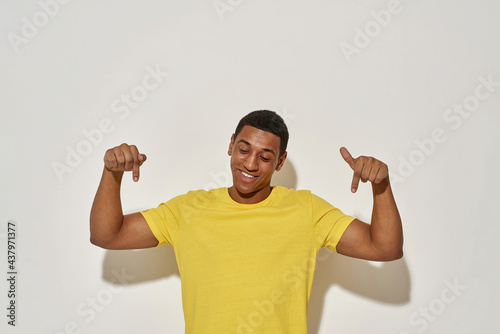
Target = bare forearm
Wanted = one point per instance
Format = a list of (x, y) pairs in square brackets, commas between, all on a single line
[(386, 228), (106, 215)]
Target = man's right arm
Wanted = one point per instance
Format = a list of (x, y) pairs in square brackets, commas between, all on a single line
[(109, 228)]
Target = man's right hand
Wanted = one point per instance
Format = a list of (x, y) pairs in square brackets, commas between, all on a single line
[(124, 158)]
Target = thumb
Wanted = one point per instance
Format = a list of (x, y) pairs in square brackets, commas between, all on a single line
[(142, 158), (347, 156)]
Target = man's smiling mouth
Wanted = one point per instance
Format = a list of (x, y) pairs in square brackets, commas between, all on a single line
[(248, 175)]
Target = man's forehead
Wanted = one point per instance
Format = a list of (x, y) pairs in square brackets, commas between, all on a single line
[(261, 139)]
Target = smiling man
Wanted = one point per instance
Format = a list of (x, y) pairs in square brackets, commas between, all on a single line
[(246, 254), (256, 152)]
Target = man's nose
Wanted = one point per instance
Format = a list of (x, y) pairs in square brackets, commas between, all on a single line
[(251, 162)]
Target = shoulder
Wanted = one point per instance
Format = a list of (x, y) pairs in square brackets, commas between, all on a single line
[(205, 196), (302, 197), (290, 194), (191, 198)]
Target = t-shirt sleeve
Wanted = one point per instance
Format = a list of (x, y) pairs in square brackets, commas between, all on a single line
[(164, 220), (330, 222)]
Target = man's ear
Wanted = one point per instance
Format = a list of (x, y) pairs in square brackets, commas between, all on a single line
[(281, 161), (230, 150)]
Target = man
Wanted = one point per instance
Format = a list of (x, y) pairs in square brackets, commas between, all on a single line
[(246, 254)]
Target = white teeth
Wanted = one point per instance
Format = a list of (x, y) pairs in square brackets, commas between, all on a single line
[(247, 175)]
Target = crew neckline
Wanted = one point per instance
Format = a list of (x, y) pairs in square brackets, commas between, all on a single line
[(261, 203)]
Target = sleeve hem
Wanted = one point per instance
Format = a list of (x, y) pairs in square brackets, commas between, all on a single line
[(341, 226), (156, 232)]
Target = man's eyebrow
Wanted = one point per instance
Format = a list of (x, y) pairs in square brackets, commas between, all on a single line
[(264, 149)]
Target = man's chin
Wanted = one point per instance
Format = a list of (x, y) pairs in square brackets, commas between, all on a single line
[(245, 192)]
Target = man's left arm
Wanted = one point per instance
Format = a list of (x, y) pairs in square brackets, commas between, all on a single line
[(382, 239)]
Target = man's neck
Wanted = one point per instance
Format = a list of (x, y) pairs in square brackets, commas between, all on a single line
[(252, 198)]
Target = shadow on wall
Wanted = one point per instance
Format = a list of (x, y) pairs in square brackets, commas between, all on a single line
[(387, 283), (140, 266), (287, 176)]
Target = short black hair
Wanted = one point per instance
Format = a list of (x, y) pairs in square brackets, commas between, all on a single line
[(269, 121)]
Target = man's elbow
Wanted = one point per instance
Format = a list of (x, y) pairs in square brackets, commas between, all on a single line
[(387, 253), (392, 255), (397, 255), (95, 242), (99, 242)]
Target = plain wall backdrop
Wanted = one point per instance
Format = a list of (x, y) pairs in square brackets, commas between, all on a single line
[(415, 84)]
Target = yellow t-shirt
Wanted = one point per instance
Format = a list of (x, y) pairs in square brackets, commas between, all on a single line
[(246, 268)]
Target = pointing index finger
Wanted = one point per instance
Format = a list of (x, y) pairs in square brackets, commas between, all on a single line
[(358, 170), (137, 162)]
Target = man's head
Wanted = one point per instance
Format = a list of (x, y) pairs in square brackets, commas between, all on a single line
[(257, 150), (268, 121)]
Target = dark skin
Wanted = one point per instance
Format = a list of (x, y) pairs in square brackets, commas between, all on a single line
[(254, 159), (254, 153), (382, 239)]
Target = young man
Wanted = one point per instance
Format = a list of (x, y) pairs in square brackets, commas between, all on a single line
[(246, 254)]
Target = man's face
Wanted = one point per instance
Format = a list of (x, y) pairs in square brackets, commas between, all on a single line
[(254, 158)]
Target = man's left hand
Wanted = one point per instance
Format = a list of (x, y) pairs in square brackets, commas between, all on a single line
[(365, 169)]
